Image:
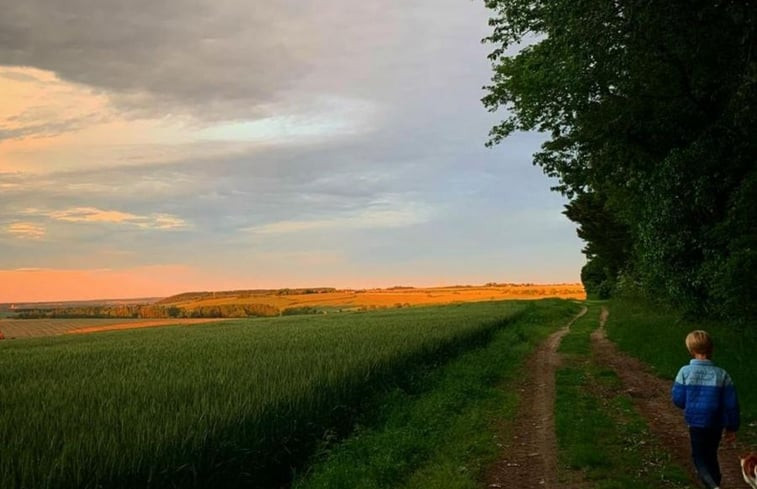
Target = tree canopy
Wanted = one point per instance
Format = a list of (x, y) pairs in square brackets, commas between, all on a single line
[(650, 109)]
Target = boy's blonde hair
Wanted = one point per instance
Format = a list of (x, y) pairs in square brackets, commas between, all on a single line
[(699, 342)]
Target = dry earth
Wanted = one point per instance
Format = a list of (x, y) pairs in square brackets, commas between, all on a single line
[(147, 324)]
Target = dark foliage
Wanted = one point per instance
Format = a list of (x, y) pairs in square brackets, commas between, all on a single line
[(651, 108), (153, 311)]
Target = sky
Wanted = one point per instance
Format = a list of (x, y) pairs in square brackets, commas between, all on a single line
[(154, 147)]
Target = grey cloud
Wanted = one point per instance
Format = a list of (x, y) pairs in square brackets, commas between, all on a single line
[(223, 195), (419, 63), (472, 210), (231, 59), (192, 54)]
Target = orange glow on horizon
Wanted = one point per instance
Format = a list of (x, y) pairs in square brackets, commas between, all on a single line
[(41, 285), (58, 285)]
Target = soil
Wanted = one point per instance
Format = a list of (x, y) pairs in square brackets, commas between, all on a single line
[(529, 458), (651, 396), (146, 324)]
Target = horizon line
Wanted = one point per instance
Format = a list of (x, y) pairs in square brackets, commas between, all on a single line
[(136, 298)]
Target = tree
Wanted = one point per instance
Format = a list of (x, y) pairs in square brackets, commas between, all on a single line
[(650, 109), (607, 242)]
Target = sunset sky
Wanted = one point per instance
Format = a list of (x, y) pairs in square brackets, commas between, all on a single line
[(153, 147)]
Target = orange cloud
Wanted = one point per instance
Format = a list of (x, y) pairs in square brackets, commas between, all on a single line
[(48, 124), (93, 214), (37, 104), (26, 230)]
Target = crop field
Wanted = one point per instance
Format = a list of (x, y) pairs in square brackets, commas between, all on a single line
[(34, 328), (286, 301), (384, 298), (236, 404)]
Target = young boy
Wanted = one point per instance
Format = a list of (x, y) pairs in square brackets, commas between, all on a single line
[(707, 396)]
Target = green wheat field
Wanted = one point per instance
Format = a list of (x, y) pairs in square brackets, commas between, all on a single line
[(233, 404)]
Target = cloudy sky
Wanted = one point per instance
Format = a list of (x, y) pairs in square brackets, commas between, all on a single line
[(152, 147)]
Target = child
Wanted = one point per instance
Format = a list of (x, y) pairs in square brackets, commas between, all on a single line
[(707, 396)]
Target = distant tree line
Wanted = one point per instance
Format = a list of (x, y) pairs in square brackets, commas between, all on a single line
[(242, 294), (153, 311), (650, 109), (295, 311)]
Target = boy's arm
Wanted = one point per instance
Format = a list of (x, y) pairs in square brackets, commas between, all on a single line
[(731, 411), (679, 390)]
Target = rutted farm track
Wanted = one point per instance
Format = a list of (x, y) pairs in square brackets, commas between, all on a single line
[(530, 457)]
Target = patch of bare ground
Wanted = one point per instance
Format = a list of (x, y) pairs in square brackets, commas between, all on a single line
[(146, 324), (651, 397), (529, 457)]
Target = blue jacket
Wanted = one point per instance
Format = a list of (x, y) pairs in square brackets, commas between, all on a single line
[(707, 396)]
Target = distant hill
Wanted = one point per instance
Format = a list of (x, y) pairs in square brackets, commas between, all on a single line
[(275, 302), (198, 296), (325, 299), (11, 306)]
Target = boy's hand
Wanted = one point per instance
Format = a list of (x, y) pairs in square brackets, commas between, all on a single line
[(729, 437)]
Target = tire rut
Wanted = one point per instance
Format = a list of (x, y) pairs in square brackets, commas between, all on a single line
[(529, 458)]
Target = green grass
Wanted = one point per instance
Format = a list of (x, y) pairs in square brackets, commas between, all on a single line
[(440, 431), (231, 405), (603, 442), (656, 336)]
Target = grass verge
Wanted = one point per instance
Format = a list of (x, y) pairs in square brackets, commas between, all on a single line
[(603, 442), (441, 430), (656, 335)]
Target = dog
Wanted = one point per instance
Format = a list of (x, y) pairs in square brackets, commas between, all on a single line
[(749, 469)]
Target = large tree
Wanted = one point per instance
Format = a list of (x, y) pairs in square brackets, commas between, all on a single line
[(650, 108)]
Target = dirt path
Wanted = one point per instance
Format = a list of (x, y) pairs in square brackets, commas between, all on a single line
[(651, 396), (529, 459)]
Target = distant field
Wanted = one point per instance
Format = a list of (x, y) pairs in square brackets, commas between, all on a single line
[(383, 298), (34, 328), (229, 405), (200, 307)]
